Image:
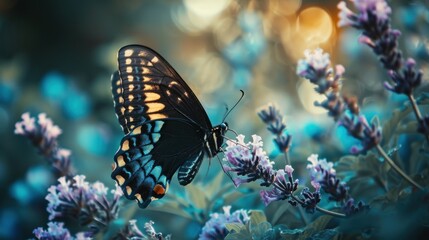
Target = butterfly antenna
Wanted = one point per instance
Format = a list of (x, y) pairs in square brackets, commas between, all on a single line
[(227, 113), (236, 134)]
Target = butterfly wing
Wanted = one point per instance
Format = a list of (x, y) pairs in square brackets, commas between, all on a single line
[(146, 88), (164, 123), (150, 155)]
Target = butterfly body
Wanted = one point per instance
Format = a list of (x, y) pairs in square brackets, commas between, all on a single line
[(166, 128)]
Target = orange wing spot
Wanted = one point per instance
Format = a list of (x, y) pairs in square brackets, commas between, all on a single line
[(120, 160), (148, 87), (129, 190), (128, 52), (155, 116), (120, 179), (151, 96), (128, 61), (125, 145), (159, 189), (154, 107), (114, 166)]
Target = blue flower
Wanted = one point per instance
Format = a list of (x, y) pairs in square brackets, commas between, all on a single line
[(55, 231)]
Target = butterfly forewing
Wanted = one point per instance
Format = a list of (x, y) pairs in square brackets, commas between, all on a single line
[(151, 89)]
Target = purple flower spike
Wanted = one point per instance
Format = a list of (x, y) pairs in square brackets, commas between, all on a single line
[(81, 200), (43, 134), (406, 82), (248, 160), (283, 189), (55, 231)]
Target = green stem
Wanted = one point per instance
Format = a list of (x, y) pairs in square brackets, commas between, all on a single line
[(326, 211), (417, 111), (397, 169)]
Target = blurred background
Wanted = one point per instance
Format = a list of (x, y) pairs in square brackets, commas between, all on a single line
[(57, 56)]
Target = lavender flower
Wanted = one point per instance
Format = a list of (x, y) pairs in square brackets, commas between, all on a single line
[(215, 226), (43, 134), (132, 231), (350, 208), (406, 82), (323, 176), (271, 116), (309, 200), (316, 68), (358, 127), (81, 200), (248, 160), (56, 231), (284, 187)]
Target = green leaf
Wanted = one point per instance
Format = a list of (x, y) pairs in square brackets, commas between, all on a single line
[(257, 217), (262, 231), (389, 127), (197, 196), (235, 227)]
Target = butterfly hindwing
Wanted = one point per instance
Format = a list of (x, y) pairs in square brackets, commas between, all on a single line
[(146, 160)]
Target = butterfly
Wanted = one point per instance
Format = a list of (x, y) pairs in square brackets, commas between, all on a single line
[(166, 128)]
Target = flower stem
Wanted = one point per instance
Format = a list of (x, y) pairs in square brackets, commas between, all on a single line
[(417, 111), (326, 211), (397, 169)]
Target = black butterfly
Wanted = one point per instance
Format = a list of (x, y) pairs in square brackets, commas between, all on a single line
[(166, 127)]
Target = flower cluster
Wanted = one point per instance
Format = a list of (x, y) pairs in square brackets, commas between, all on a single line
[(323, 176), (43, 134), (271, 116), (215, 226), (86, 202), (56, 231), (284, 187), (131, 231), (248, 160), (343, 109)]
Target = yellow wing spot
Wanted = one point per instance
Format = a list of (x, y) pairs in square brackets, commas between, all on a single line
[(131, 87), (146, 79), (179, 99), (154, 107), (145, 70), (130, 78), (121, 100), (131, 119), (118, 82), (114, 166), (128, 61), (151, 96), (130, 97), (125, 145), (129, 190), (118, 91), (130, 108), (137, 130), (122, 110), (150, 64), (186, 94), (132, 126), (138, 197), (173, 83), (128, 52), (120, 160), (148, 87), (154, 59), (141, 54), (153, 198), (129, 70), (120, 179), (155, 116), (168, 92)]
